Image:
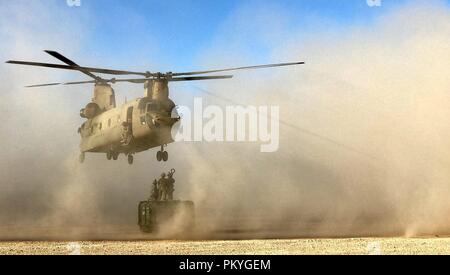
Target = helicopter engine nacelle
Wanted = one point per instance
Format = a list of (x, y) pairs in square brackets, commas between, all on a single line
[(90, 111)]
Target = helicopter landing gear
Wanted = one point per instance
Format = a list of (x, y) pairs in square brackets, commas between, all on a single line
[(162, 155), (112, 155), (130, 159), (159, 156), (115, 155), (82, 157)]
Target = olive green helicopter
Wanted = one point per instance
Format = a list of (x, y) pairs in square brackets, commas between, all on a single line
[(137, 125)]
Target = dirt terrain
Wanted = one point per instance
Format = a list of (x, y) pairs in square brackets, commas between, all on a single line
[(363, 246), (305, 238)]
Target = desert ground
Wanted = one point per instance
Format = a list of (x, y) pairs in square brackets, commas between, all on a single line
[(307, 238), (346, 246)]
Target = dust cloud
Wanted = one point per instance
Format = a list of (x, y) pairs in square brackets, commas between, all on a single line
[(381, 89)]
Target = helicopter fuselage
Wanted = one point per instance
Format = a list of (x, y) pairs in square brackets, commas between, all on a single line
[(133, 127)]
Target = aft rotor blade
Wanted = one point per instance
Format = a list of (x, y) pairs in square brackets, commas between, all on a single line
[(61, 57), (132, 80), (67, 83), (82, 82), (104, 81), (135, 80), (71, 63), (43, 85), (239, 68), (79, 68)]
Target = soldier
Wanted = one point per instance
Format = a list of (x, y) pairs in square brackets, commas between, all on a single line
[(155, 192), (170, 186), (126, 133), (162, 187)]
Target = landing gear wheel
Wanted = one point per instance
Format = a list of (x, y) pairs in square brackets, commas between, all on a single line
[(159, 156), (82, 157), (115, 156), (130, 159), (162, 155), (109, 155)]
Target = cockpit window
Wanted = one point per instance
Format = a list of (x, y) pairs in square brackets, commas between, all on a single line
[(153, 107)]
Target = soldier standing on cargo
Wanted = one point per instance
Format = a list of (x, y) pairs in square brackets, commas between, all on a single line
[(162, 187), (170, 184)]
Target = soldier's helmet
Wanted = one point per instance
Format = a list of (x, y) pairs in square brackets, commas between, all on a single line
[(163, 175)]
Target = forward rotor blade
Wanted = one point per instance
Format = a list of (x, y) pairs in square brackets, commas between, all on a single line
[(240, 68), (194, 78), (78, 68), (71, 63), (142, 80)]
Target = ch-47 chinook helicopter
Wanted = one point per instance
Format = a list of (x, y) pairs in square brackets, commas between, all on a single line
[(137, 125)]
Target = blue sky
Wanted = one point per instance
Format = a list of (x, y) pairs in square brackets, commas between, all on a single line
[(173, 35), (179, 35), (177, 31)]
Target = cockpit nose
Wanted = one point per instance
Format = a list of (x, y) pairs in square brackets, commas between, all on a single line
[(159, 121), (156, 121), (160, 114)]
